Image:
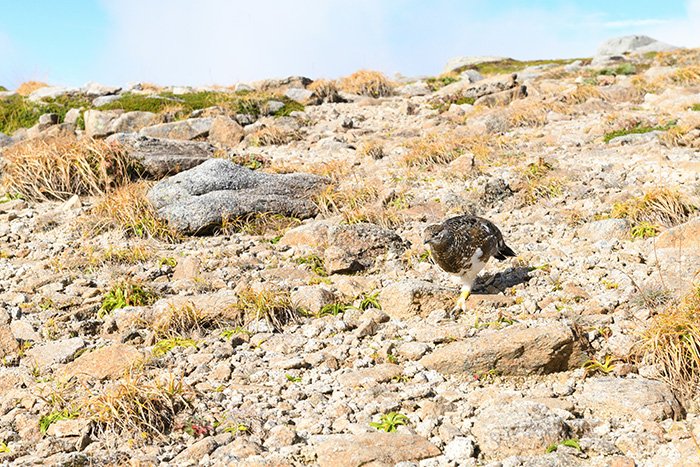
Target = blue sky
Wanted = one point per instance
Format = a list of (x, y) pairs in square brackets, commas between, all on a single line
[(70, 42)]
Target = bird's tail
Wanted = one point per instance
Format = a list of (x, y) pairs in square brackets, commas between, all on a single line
[(503, 252)]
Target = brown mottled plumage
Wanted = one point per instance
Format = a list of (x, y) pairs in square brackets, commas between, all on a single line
[(462, 245)]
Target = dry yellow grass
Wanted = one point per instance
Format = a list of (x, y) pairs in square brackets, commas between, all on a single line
[(273, 136), (367, 83), (540, 181), (581, 94), (686, 76), (672, 343), (660, 206), (29, 87), (137, 405), (681, 135), (259, 224), (678, 57), (371, 148), (61, 167), (273, 306), (529, 112), (325, 90), (183, 320), (127, 208), (335, 169), (443, 148)]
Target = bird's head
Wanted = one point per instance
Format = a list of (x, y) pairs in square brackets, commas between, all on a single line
[(437, 237)]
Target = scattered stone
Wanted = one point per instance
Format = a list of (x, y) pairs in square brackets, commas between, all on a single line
[(189, 129), (312, 298), (356, 247), (198, 200), (606, 229), (225, 132), (370, 376), (197, 451), (517, 428), (59, 351), (372, 449), (539, 348), (103, 363), (629, 398), (162, 157), (409, 298)]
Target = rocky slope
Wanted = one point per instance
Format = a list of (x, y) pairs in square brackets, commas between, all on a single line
[(320, 335)]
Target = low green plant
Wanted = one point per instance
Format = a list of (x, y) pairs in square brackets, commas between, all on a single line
[(390, 422), (571, 442), (293, 379), (229, 333), (624, 69), (644, 230), (695, 107), (238, 428), (167, 261), (594, 365), (164, 346), (123, 294), (333, 309), (4, 449), (7, 197), (315, 263), (636, 130), (47, 420), (370, 301)]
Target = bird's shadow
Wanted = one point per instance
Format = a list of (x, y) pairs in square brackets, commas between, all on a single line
[(501, 281)]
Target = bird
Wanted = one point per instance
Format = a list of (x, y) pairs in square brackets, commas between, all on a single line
[(462, 245)]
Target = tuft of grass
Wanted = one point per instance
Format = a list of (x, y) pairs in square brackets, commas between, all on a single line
[(644, 230), (315, 264), (183, 319), (695, 107), (165, 346), (658, 207), (4, 448), (367, 83), (390, 422), (128, 209), (29, 87), (371, 148), (275, 307), (126, 293), (61, 167), (229, 333), (540, 183), (624, 69), (271, 135), (672, 343), (325, 91), (639, 129), (133, 254), (596, 366), (437, 82), (139, 406), (686, 76), (259, 224), (582, 93), (443, 148), (49, 419), (572, 443), (370, 301), (333, 309)]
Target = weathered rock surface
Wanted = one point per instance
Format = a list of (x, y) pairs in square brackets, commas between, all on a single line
[(225, 131), (517, 428), (192, 128), (102, 123), (628, 398), (198, 200), (409, 298), (541, 348), (356, 247), (106, 362), (59, 351), (377, 449), (163, 157), (461, 62), (478, 89), (633, 44)]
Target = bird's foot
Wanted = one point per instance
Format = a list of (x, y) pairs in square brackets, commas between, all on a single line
[(461, 305)]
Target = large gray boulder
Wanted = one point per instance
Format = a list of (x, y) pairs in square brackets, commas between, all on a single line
[(50, 92), (102, 123), (185, 129), (484, 87), (633, 44), (163, 157), (198, 200)]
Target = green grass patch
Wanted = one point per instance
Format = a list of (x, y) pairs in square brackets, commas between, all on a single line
[(165, 346), (182, 105), (3, 89), (695, 107), (390, 422), (644, 230), (47, 420), (126, 294), (637, 130), (18, 112), (624, 69), (572, 443), (437, 82), (511, 66)]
